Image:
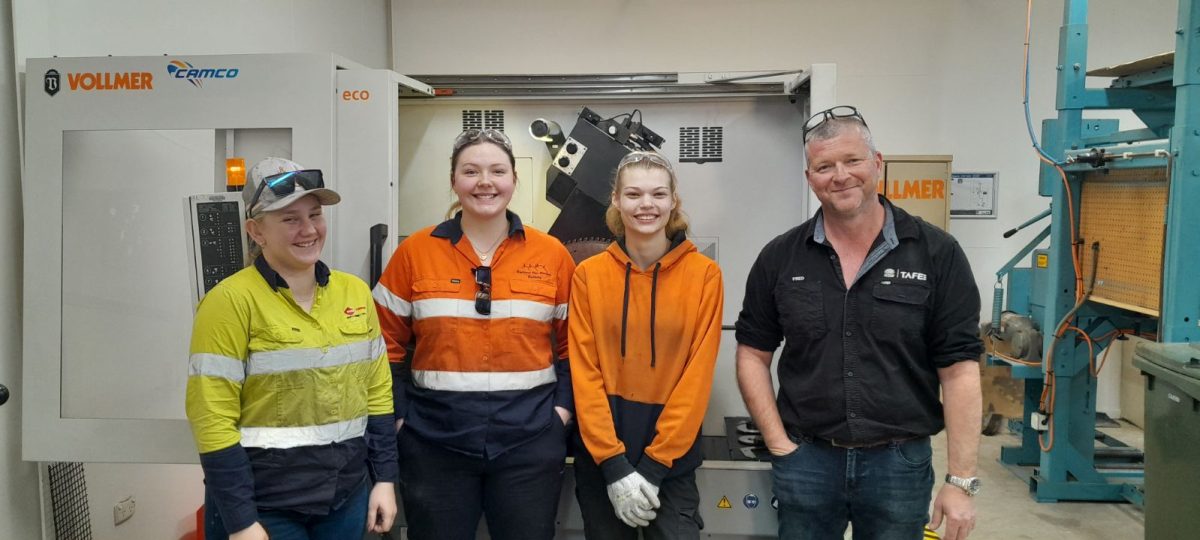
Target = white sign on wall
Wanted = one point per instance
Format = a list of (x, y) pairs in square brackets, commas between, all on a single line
[(973, 195)]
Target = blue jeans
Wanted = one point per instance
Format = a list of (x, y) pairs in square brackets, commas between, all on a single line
[(884, 491), (347, 521)]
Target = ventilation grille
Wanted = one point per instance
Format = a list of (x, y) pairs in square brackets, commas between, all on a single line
[(701, 144), (68, 495), (483, 119)]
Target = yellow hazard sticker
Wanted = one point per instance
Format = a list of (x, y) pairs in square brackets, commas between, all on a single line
[(1043, 260), (724, 503)]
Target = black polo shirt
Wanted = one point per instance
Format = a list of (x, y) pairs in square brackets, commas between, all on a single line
[(860, 365)]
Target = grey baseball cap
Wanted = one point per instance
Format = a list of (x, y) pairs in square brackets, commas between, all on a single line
[(304, 182)]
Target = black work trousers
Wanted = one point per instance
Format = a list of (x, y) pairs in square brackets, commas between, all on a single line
[(445, 492), (678, 517)]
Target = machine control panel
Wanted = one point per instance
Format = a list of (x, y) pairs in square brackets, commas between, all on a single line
[(570, 155), (218, 245)]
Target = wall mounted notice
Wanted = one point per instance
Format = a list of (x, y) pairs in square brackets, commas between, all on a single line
[(973, 195)]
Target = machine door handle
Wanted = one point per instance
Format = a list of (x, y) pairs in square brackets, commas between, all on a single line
[(3, 394), (378, 238)]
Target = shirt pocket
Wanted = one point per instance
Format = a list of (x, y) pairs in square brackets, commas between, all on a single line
[(273, 350), (899, 310), (356, 337), (801, 310), (532, 307), (437, 307)]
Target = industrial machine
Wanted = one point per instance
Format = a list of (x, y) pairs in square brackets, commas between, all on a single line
[(1120, 246), (130, 221)]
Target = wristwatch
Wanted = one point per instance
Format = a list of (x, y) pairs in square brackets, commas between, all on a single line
[(969, 485)]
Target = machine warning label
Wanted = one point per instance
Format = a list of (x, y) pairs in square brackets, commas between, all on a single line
[(1042, 260), (724, 503)]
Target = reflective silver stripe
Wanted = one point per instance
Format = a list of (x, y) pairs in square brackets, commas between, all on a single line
[(393, 303), (291, 437), (262, 363), (501, 309), (457, 381), (215, 365), (560, 312)]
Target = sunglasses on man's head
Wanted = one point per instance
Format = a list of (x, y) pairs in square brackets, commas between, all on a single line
[(284, 184), (493, 135), (841, 111), (483, 294)]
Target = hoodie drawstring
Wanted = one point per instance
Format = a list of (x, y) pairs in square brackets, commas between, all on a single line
[(653, 304), (625, 309), (653, 309)]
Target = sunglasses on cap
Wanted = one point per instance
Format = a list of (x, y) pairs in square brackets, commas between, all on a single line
[(841, 111), (491, 135), (483, 294), (284, 184)]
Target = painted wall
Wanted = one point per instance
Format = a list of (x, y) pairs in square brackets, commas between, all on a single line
[(357, 30)]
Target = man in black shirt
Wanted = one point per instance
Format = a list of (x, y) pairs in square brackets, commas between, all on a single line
[(878, 311)]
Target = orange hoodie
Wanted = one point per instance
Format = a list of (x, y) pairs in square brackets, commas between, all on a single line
[(643, 345)]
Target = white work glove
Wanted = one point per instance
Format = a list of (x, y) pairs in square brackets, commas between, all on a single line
[(634, 499)]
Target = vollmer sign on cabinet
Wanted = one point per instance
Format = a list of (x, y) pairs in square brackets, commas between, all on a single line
[(920, 185)]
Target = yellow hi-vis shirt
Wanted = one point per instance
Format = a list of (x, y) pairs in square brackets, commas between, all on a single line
[(265, 373)]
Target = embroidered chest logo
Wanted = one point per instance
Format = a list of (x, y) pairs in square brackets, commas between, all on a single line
[(534, 271), (354, 312), (889, 273)]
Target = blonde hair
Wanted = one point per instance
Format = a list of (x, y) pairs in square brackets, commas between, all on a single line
[(676, 223)]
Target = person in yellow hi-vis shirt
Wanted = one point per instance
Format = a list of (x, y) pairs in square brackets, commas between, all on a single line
[(289, 392)]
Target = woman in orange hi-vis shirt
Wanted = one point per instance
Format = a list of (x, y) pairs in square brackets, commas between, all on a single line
[(642, 361), (483, 301)]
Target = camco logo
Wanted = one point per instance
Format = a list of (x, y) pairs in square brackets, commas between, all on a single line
[(51, 82), (178, 69)]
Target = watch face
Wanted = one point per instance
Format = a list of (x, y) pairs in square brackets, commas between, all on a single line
[(973, 485)]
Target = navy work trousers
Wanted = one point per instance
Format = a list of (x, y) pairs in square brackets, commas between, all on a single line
[(445, 492)]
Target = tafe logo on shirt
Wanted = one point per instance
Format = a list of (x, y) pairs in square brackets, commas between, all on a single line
[(902, 274)]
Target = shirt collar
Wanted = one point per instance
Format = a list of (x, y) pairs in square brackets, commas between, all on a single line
[(276, 281), (906, 227), (452, 228)]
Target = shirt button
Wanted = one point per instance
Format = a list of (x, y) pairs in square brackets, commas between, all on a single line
[(853, 415), (849, 373), (849, 333)]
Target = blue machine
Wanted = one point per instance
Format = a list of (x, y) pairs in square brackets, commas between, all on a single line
[(1061, 293)]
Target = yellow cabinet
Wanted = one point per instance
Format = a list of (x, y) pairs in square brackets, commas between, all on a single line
[(920, 185)]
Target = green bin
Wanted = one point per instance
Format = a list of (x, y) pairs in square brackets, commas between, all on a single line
[(1172, 482)]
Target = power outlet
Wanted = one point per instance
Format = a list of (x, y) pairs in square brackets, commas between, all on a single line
[(123, 510)]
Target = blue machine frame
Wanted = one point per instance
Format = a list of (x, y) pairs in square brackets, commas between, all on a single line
[(1072, 468)]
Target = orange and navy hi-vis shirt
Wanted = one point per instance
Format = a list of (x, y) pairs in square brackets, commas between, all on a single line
[(480, 384), (643, 346)]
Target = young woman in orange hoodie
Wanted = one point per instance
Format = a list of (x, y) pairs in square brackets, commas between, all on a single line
[(642, 361)]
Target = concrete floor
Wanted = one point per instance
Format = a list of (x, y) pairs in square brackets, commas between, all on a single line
[(1005, 510)]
